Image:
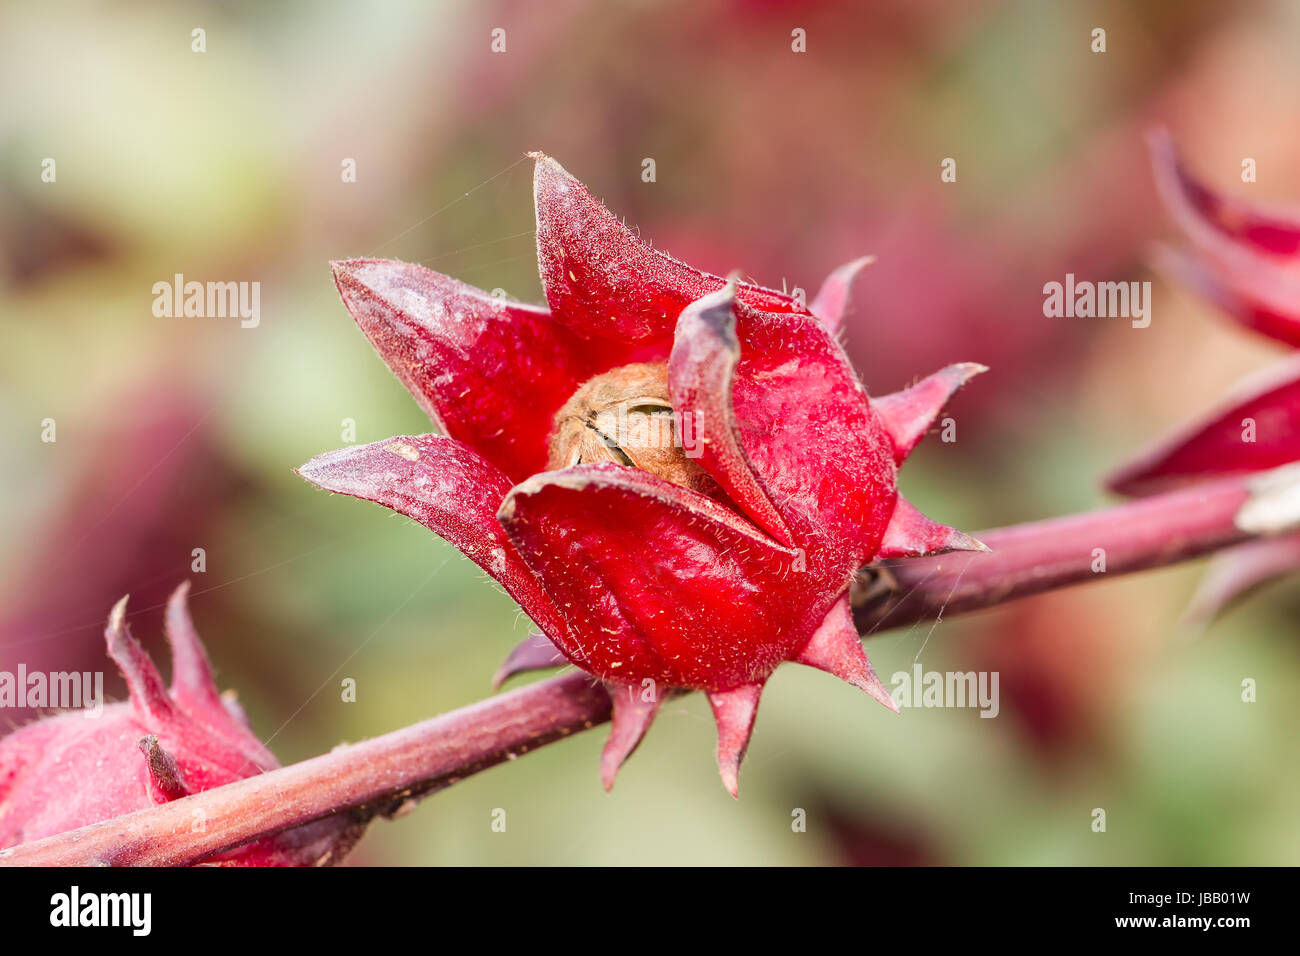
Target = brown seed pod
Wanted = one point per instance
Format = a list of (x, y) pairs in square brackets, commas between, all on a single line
[(626, 416)]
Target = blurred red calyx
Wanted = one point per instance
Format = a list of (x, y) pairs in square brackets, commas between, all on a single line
[(1242, 256), (1246, 259), (642, 581), (1254, 428), (71, 770)]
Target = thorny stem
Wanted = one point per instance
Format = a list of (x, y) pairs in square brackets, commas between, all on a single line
[(385, 775)]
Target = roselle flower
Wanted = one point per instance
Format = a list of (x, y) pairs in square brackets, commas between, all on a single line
[(71, 770), (676, 476), (1244, 256)]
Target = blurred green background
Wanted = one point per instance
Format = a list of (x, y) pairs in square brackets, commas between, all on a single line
[(175, 434)]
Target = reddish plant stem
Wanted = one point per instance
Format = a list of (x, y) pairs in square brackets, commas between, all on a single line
[(1043, 555), (376, 776), (384, 775)]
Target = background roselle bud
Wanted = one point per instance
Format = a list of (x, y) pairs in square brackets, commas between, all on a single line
[(1242, 256), (1253, 429), (67, 771)]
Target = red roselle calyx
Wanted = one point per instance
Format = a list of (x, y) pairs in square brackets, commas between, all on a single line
[(1243, 256), (1246, 259), (701, 563), (67, 771), (1254, 429)]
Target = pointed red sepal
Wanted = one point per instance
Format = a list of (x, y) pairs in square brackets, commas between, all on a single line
[(149, 695), (701, 371), (1198, 207), (194, 689), (795, 397), (192, 680), (533, 653), (832, 300), (165, 774), (911, 534), (655, 580), (836, 647), (471, 359), (603, 281), (1256, 427), (1272, 312), (451, 490), (734, 711), (1245, 254), (909, 414), (633, 715)]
